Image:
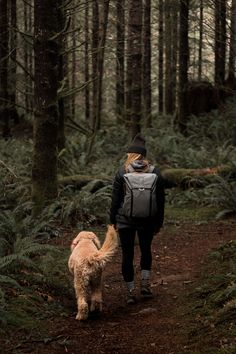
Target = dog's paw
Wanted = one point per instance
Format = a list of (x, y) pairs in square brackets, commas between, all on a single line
[(96, 306), (81, 316)]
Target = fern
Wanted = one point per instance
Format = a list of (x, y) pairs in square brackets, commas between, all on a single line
[(9, 282), (223, 194)]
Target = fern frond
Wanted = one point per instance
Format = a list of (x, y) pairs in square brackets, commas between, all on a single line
[(8, 281)]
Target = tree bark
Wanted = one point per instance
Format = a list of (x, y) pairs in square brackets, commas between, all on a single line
[(86, 63), (183, 65), (168, 58), (44, 170), (220, 41), (231, 80), (200, 41), (13, 114), (120, 64), (100, 19), (134, 66), (62, 77), (147, 56), (160, 57), (4, 95)]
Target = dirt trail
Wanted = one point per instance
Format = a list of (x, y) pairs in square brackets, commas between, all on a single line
[(150, 326)]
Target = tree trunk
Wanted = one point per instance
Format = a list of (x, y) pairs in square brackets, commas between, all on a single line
[(147, 85), (95, 42), (183, 65), (220, 41), (174, 53), (200, 41), (62, 78), (160, 58), (4, 34), (100, 19), (134, 65), (120, 65), (44, 170), (231, 80), (101, 53), (168, 58), (86, 63), (13, 114)]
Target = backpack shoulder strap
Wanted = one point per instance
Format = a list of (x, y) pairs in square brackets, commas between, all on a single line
[(151, 168), (130, 169)]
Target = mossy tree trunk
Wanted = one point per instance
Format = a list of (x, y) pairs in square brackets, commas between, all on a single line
[(44, 170)]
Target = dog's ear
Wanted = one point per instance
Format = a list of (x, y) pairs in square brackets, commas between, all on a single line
[(75, 242)]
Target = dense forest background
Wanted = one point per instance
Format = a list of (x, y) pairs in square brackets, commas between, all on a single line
[(78, 80)]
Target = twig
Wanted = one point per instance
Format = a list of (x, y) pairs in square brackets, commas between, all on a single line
[(8, 168)]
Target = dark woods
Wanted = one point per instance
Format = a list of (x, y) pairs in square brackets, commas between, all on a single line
[(74, 65)]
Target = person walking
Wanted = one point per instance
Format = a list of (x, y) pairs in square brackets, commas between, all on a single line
[(128, 225)]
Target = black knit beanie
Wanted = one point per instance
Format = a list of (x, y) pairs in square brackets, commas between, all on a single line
[(138, 145)]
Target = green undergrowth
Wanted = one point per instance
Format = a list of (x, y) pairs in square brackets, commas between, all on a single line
[(39, 295), (210, 307), (190, 213)]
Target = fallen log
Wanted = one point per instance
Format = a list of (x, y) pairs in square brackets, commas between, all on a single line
[(80, 181), (176, 177), (197, 178)]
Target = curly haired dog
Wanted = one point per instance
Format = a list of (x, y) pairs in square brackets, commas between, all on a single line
[(86, 263)]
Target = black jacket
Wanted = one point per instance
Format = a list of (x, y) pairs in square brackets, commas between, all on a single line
[(122, 221)]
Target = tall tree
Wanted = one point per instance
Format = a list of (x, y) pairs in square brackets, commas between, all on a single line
[(44, 170), (183, 65), (4, 37), (86, 63), (160, 56), (147, 54), (168, 57), (12, 67), (100, 20), (231, 80), (28, 56), (120, 63), (220, 41), (171, 32), (62, 78), (201, 8), (134, 66)]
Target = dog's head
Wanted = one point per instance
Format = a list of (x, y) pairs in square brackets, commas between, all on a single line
[(88, 235)]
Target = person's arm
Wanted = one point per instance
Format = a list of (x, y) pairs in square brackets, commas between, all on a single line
[(160, 193), (117, 196)]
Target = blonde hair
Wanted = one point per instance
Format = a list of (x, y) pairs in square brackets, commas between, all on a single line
[(133, 156)]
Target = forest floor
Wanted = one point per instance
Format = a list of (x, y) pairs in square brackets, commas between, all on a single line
[(161, 325)]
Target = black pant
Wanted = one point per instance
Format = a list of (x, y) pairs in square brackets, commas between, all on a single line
[(127, 237)]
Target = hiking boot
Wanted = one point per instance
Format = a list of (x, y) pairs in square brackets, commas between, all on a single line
[(146, 291), (131, 297)]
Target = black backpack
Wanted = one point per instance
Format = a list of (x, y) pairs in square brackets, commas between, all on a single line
[(140, 193)]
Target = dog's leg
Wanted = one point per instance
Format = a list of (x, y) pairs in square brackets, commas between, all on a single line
[(82, 304), (96, 295)]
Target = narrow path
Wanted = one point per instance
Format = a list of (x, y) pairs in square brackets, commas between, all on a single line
[(151, 326)]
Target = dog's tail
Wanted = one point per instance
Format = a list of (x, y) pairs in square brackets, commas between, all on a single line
[(108, 249)]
